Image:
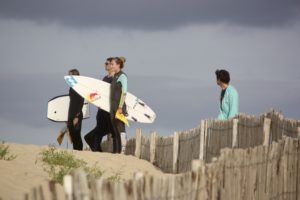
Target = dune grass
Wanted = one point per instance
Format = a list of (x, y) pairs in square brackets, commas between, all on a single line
[(58, 163), (4, 152)]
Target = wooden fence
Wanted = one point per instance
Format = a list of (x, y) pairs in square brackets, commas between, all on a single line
[(174, 153), (263, 172)]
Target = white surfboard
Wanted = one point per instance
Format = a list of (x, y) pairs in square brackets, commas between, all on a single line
[(58, 108), (97, 92)]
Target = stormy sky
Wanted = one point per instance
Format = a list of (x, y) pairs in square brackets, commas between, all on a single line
[(172, 48)]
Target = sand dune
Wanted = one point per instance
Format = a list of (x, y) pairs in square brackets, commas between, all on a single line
[(25, 172)]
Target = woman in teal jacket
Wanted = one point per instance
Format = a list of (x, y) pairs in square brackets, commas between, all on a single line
[(229, 98)]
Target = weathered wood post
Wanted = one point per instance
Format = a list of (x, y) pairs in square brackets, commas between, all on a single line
[(299, 132), (152, 147), (235, 133), (67, 182), (138, 142), (137, 185), (196, 164), (175, 151), (80, 186), (267, 127), (202, 140)]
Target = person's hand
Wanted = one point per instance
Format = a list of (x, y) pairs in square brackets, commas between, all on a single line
[(120, 110), (75, 121)]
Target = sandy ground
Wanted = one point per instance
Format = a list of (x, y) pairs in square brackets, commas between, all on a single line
[(26, 171)]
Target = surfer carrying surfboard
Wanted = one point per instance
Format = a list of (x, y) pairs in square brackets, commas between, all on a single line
[(117, 102), (104, 125), (229, 98), (75, 115)]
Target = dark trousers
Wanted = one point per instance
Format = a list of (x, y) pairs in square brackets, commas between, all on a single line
[(94, 138), (103, 127), (118, 127), (75, 132)]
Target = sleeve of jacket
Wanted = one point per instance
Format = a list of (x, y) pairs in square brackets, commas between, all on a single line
[(234, 104)]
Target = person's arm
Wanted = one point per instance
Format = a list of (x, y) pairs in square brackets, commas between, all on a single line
[(123, 80), (233, 104)]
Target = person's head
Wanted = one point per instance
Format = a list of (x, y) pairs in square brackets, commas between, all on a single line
[(223, 77), (74, 72), (107, 64), (117, 63)]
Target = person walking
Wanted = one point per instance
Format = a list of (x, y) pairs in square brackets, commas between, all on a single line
[(75, 115), (103, 124), (229, 98)]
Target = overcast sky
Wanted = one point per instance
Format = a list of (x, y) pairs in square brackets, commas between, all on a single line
[(172, 48)]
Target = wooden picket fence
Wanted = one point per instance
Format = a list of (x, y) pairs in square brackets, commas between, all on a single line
[(174, 153), (263, 172), (244, 158)]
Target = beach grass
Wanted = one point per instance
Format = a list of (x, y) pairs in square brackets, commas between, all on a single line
[(4, 152), (58, 163)]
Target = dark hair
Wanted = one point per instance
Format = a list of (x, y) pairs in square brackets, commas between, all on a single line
[(108, 60), (74, 71), (120, 61), (223, 76)]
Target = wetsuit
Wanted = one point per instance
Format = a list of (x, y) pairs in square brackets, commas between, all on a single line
[(117, 99), (75, 110), (103, 127)]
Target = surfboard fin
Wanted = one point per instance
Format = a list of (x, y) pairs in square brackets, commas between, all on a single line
[(61, 135), (122, 118)]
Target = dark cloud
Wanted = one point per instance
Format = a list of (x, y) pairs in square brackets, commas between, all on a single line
[(154, 14)]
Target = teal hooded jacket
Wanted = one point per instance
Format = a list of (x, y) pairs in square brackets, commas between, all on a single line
[(230, 104)]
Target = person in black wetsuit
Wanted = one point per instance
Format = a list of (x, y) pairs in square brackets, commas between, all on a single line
[(75, 115), (117, 102), (103, 126)]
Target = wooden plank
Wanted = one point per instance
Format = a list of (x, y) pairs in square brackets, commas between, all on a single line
[(254, 166), (196, 165), (138, 181), (298, 169), (138, 142), (235, 133), (175, 152), (202, 141), (67, 183), (267, 125), (152, 147), (80, 185)]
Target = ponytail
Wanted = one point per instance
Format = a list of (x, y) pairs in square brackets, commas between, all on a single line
[(120, 61)]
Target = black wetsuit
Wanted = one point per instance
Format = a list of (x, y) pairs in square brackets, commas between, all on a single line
[(103, 127), (117, 125), (75, 110)]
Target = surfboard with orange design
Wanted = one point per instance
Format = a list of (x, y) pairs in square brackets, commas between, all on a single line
[(97, 92)]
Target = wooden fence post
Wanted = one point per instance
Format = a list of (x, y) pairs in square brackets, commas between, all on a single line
[(152, 147), (202, 140), (235, 133), (299, 132), (196, 164), (80, 185), (67, 182), (175, 151), (138, 143), (267, 126)]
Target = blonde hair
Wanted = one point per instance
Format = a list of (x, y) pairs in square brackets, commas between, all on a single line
[(120, 61)]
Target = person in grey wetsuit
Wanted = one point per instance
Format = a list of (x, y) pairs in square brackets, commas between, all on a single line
[(117, 103)]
